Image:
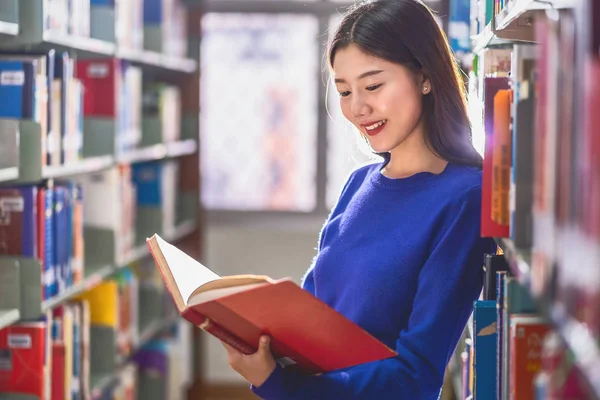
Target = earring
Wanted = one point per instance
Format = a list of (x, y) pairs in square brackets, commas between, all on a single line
[(425, 89)]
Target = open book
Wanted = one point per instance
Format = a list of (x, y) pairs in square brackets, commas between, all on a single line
[(305, 332)]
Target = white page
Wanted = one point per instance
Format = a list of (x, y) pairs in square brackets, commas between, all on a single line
[(188, 273), (213, 294)]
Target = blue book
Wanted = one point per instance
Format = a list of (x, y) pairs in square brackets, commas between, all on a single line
[(17, 89), (49, 281), (63, 71), (68, 273), (77, 319), (48, 60), (484, 350), (60, 239), (148, 180), (500, 350), (459, 26), (153, 12)]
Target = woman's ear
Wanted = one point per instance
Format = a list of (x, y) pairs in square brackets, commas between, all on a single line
[(426, 86)]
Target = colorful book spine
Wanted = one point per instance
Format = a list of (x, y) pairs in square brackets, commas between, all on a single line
[(490, 227), (18, 221), (484, 362), (500, 356)]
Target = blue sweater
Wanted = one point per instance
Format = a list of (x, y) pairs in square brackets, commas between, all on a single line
[(403, 259)]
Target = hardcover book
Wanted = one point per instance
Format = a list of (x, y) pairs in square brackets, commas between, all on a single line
[(305, 332)]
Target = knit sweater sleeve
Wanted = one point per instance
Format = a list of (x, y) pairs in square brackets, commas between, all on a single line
[(448, 283)]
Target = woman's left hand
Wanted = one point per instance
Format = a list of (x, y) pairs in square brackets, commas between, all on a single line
[(255, 368)]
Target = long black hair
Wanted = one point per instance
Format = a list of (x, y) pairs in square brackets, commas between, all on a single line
[(405, 32)]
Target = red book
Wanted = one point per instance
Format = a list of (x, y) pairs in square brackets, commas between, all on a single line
[(490, 228), (101, 79), (22, 359), (526, 339), (58, 371), (305, 332)]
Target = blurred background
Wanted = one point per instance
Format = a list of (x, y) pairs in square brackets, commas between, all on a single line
[(214, 124)]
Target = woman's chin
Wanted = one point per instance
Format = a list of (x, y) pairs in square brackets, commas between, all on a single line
[(379, 147)]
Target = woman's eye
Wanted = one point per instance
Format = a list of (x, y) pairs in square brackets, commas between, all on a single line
[(374, 87), (345, 94)]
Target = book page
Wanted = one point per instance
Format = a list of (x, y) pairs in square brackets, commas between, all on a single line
[(188, 273)]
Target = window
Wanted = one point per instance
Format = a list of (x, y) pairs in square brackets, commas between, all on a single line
[(267, 144), (259, 111)]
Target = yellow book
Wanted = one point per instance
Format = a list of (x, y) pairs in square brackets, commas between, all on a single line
[(104, 306)]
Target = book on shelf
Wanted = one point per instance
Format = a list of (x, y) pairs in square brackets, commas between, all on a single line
[(490, 226), (25, 359), (306, 333), (484, 349), (524, 57)]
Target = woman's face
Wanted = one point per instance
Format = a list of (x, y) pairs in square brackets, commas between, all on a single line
[(382, 99)]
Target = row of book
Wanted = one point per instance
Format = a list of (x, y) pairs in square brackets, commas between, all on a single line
[(541, 177), (58, 356), (43, 88), (482, 14), (514, 354), (46, 222), (106, 95), (131, 24)]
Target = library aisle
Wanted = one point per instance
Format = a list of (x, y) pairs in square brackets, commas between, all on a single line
[(100, 129)]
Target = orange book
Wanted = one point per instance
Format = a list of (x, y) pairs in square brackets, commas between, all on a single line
[(526, 339), (490, 227), (305, 332), (502, 159)]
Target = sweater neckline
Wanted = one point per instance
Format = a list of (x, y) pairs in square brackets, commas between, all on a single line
[(379, 179)]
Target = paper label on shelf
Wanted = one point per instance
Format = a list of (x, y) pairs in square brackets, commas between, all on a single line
[(19, 341), (12, 78)]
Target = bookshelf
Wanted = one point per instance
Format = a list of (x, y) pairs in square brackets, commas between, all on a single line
[(89, 146), (100, 382), (540, 218)]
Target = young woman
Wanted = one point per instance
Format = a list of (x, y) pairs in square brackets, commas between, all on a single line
[(400, 254)]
